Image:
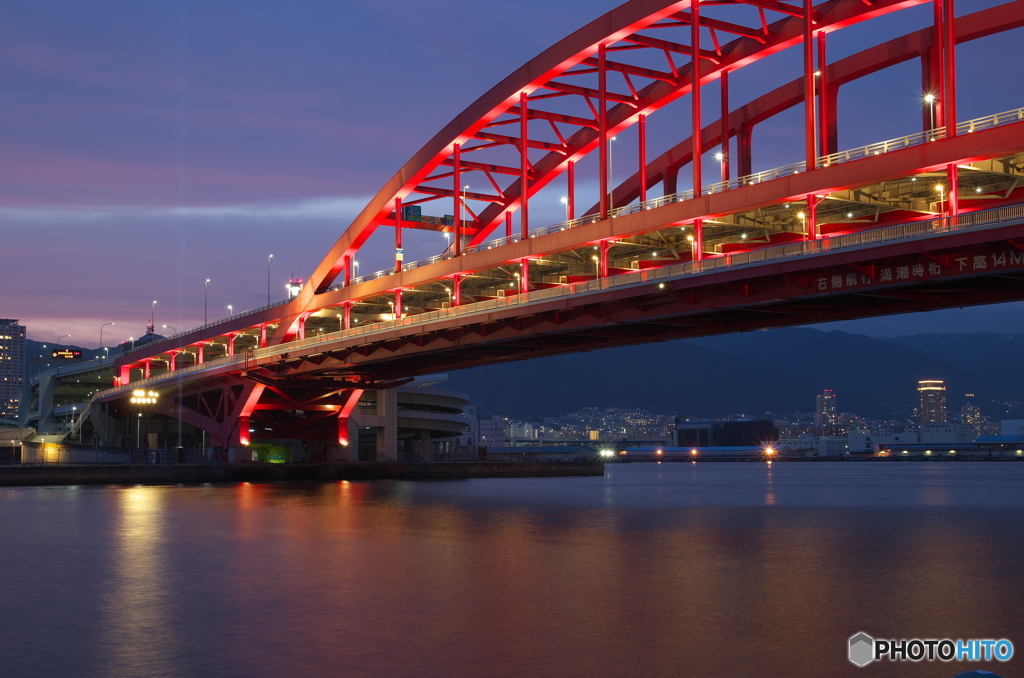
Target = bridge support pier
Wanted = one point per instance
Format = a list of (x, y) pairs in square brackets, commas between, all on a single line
[(426, 446), (387, 431)]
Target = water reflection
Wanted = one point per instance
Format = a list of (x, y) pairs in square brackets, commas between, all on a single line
[(616, 576), (139, 634)]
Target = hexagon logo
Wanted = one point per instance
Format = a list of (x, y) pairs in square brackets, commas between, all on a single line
[(862, 649)]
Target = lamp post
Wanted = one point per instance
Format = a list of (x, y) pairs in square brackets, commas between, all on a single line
[(168, 327), (142, 399), (231, 310), (720, 157), (152, 315), (206, 289), (101, 336), (268, 278), (597, 266), (356, 265), (942, 198), (565, 201), (61, 337), (930, 100)]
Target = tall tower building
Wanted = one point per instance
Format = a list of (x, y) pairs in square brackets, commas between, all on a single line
[(825, 416), (12, 367), (931, 401)]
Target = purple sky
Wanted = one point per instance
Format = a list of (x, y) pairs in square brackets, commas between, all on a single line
[(146, 147)]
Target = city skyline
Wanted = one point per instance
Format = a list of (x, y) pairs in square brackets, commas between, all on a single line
[(161, 150)]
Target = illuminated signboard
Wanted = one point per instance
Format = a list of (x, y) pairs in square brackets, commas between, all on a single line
[(66, 354)]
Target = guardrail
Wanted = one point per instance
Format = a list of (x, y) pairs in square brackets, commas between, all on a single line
[(911, 230), (877, 148)]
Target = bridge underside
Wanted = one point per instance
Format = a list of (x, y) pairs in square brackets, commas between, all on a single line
[(944, 271)]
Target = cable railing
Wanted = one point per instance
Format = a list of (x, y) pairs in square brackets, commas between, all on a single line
[(869, 150), (908, 231)]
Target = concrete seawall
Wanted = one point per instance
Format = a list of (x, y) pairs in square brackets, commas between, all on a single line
[(148, 474)]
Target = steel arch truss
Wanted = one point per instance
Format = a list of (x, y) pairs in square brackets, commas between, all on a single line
[(569, 101)]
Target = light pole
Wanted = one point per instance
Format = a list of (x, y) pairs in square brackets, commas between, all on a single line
[(101, 336), (930, 100), (231, 310), (597, 266), (268, 278), (152, 315), (942, 197), (61, 337), (356, 265), (720, 157), (565, 201), (206, 289), (168, 327)]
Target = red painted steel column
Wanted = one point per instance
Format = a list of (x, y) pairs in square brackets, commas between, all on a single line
[(810, 126), (826, 121), (939, 65), (642, 133), (695, 162), (949, 42), (457, 287), (602, 127), (263, 335), (457, 164), (345, 412), (301, 334), (812, 217), (347, 259), (199, 354), (508, 225), (571, 193), (347, 313), (146, 369), (398, 304), (724, 87), (172, 364), (524, 214), (399, 252), (231, 344), (524, 279), (605, 246), (743, 149)]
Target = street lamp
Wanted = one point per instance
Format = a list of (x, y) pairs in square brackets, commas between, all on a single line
[(142, 398), (61, 337), (597, 266), (720, 157), (101, 336), (693, 248), (930, 100), (206, 289), (168, 327), (152, 315), (231, 310), (565, 201), (356, 265), (942, 197), (268, 278)]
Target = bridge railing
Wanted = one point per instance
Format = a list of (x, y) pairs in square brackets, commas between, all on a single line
[(911, 230)]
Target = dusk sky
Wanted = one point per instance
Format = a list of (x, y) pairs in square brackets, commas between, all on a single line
[(146, 147)]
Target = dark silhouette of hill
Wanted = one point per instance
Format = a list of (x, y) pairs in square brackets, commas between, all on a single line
[(774, 371)]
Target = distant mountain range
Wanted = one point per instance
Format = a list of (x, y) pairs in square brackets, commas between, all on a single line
[(772, 371)]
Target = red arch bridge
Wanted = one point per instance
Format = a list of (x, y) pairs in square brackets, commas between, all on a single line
[(678, 249)]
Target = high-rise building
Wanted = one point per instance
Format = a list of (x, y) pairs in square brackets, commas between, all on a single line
[(12, 367), (931, 401), (825, 414), (971, 415)]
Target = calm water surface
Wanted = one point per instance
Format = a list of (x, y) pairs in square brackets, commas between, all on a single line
[(653, 570)]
